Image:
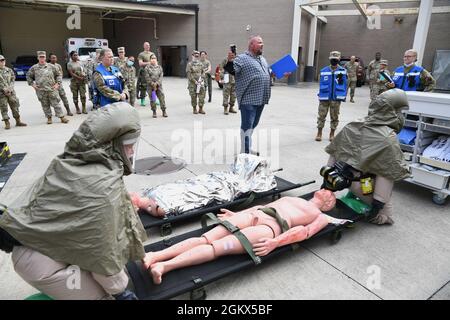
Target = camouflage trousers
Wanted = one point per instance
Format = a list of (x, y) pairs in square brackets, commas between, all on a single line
[(13, 104), (229, 94), (209, 84), (373, 89), (162, 100), (352, 86), (50, 99), (78, 89), (334, 107), (63, 96), (194, 95), (141, 85), (132, 95)]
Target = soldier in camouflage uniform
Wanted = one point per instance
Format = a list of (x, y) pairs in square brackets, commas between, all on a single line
[(90, 66), (8, 95), (144, 60), (46, 80), (372, 69), (352, 68), (61, 91), (121, 61), (229, 85), (207, 67), (409, 72), (129, 75), (78, 81), (384, 77), (332, 78), (196, 82), (153, 77), (101, 86)]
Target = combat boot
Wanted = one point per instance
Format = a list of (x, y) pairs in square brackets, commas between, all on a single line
[(200, 110), (64, 120), (232, 110), (165, 113), (351, 100), (7, 125), (20, 123), (154, 113), (49, 120), (225, 110), (332, 134), (84, 109), (77, 108), (195, 110), (319, 134), (69, 113)]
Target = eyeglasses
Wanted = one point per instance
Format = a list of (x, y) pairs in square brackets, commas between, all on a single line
[(2, 60), (408, 56)]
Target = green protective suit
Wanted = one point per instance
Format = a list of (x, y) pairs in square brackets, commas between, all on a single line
[(79, 212), (370, 145)]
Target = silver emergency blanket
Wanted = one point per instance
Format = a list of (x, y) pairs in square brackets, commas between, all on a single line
[(247, 173)]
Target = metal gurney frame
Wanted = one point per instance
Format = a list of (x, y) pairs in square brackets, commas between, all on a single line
[(193, 279), (165, 224)]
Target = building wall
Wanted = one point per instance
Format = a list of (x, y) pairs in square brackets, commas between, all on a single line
[(23, 31), (172, 30), (222, 23), (354, 38)]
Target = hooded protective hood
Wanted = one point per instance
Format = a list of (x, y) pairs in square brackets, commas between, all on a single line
[(370, 144), (79, 212)]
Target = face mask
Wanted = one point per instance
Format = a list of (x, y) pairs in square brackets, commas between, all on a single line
[(334, 62), (130, 63)]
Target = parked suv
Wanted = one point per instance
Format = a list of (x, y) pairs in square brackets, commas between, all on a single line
[(360, 73), (22, 65)]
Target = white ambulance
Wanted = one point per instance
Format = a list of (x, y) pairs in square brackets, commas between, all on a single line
[(83, 46)]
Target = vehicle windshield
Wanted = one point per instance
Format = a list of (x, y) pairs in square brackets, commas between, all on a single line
[(85, 51), (26, 60)]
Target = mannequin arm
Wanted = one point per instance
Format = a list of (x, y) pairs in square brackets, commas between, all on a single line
[(293, 235)]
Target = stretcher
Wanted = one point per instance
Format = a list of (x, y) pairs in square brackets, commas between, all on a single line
[(7, 168), (165, 224), (194, 279)]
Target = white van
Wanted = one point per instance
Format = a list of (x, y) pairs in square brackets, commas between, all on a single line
[(83, 46)]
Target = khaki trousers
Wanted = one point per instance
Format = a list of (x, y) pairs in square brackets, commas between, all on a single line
[(62, 281)]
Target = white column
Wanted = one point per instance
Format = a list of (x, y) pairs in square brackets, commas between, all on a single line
[(296, 30), (312, 38), (423, 22)]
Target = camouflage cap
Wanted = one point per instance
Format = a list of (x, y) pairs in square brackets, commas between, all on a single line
[(121, 49), (2, 57), (335, 55), (41, 53), (385, 62), (98, 50)]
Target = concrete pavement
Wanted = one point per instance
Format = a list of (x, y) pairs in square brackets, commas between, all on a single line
[(412, 257)]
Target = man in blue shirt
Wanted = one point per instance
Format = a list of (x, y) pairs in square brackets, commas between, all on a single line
[(333, 90), (252, 78)]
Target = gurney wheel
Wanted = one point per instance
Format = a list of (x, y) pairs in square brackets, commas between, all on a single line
[(439, 199), (198, 294), (336, 236)]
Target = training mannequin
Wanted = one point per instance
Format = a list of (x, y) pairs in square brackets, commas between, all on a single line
[(304, 218)]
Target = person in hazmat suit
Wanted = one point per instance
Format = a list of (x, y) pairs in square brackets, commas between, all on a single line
[(73, 232), (366, 157)]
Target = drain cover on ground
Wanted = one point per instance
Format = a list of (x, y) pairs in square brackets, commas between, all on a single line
[(159, 165)]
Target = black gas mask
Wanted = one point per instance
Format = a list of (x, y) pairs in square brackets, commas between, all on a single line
[(340, 78), (337, 177), (334, 62)]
